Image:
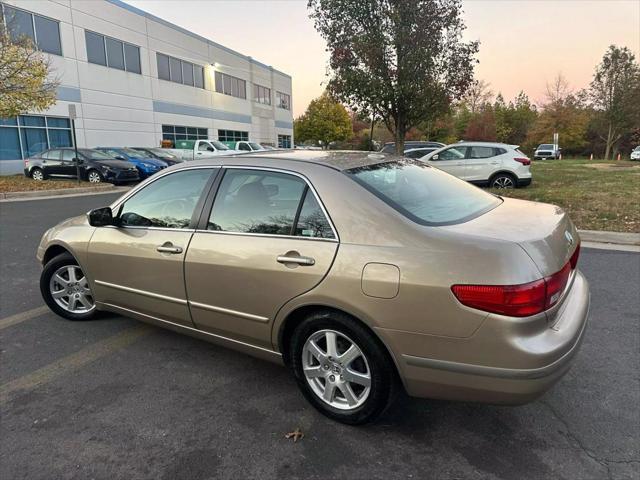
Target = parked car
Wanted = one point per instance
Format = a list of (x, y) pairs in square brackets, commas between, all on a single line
[(390, 147), (200, 149), (496, 165), (145, 164), (245, 146), (159, 154), (363, 273), (546, 151), (635, 153), (418, 152), (95, 166)]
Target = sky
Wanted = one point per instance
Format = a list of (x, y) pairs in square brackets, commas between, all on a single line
[(524, 44)]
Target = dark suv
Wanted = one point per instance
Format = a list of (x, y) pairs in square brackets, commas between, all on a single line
[(95, 166)]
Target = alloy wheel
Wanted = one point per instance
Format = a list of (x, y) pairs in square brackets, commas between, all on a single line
[(336, 369), (69, 288), (37, 175), (503, 182), (94, 177)]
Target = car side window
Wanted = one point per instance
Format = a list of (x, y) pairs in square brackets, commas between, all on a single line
[(51, 155), (481, 152), (312, 221), (453, 153), (203, 147), (499, 151), (169, 202), (244, 146), (415, 154), (68, 155), (256, 201)]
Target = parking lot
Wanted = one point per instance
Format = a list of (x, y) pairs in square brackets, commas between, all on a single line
[(114, 398)]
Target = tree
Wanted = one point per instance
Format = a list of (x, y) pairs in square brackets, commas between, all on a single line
[(478, 94), (615, 93), (325, 121), (25, 85), (403, 60)]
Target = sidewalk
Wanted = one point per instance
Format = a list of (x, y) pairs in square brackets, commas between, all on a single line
[(617, 238), (42, 194)]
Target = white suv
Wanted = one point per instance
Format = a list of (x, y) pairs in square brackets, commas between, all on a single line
[(496, 165)]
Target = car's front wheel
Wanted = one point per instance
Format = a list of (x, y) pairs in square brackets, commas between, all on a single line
[(503, 180), (341, 368), (65, 289)]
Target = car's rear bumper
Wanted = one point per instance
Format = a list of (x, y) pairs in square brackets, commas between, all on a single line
[(543, 357), (523, 182)]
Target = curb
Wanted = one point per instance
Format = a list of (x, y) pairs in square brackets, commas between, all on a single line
[(60, 192), (617, 238)]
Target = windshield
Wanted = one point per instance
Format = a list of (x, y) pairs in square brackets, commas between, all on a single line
[(219, 145), (637, 149), (134, 153), (545, 146), (95, 154), (255, 146), (158, 152), (426, 195)]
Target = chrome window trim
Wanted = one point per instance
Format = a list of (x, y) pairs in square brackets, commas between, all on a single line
[(267, 235), (286, 172)]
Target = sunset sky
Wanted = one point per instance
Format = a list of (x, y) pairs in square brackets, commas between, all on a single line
[(523, 43)]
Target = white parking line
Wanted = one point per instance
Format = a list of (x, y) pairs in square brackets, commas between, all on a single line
[(72, 362), (21, 317)]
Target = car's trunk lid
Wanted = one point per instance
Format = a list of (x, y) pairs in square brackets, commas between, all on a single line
[(544, 231)]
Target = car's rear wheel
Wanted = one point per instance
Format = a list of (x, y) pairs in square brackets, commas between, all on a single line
[(37, 174), (95, 176), (341, 368), (503, 180), (65, 289)]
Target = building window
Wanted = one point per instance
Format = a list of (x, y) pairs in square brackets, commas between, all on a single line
[(284, 141), (283, 100), (27, 135), (236, 87), (179, 71), (112, 53), (233, 136), (262, 94), (44, 32), (176, 132)]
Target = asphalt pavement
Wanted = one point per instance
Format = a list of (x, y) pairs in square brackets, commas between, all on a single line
[(116, 399)]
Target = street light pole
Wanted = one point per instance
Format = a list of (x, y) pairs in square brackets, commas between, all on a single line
[(72, 116)]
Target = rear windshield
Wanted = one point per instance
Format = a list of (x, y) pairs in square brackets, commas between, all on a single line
[(426, 195)]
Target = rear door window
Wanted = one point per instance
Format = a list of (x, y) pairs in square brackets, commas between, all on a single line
[(481, 152), (424, 194)]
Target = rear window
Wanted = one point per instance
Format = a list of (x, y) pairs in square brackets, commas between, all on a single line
[(95, 154), (426, 195)]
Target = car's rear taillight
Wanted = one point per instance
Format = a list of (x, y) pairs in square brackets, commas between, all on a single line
[(518, 300), (512, 300), (523, 160)]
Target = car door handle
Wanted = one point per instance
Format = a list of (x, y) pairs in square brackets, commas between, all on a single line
[(308, 261), (169, 248)]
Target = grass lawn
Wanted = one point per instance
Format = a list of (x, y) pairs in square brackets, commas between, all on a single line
[(20, 183), (598, 195)]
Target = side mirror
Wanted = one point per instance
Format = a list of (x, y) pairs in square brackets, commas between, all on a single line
[(77, 160), (210, 149), (100, 217), (435, 157), (120, 157)]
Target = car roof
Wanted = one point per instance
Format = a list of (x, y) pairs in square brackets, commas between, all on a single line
[(335, 159)]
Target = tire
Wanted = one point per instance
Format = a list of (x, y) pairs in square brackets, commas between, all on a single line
[(94, 176), (366, 403), (503, 180), (75, 292), (37, 174)]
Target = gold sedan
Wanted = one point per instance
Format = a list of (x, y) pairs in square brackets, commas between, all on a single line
[(363, 273)]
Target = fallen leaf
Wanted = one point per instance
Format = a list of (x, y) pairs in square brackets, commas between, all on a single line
[(296, 434)]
